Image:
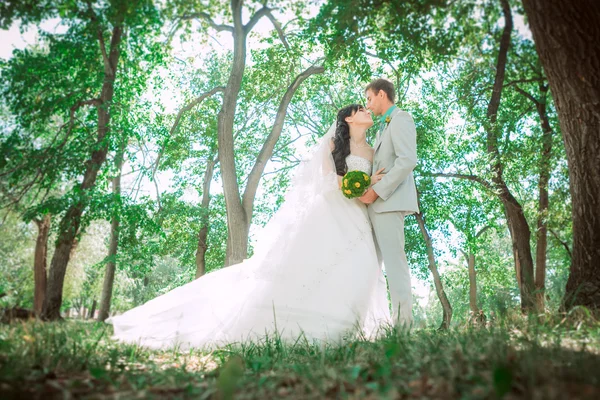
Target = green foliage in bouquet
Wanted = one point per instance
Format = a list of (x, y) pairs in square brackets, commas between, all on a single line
[(355, 183)]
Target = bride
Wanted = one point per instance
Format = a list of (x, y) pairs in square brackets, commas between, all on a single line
[(314, 274)]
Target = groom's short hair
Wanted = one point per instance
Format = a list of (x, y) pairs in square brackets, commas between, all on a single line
[(382, 84)]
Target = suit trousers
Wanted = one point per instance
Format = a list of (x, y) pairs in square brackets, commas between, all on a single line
[(389, 237)]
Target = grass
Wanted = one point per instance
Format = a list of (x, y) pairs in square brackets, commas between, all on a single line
[(549, 358)]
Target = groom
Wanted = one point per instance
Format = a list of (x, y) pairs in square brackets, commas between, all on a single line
[(395, 195)]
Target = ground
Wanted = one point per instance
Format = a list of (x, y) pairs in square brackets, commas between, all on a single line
[(543, 357)]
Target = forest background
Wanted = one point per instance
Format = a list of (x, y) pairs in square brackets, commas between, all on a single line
[(145, 144)]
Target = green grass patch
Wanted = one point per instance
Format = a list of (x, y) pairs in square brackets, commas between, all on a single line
[(549, 358)]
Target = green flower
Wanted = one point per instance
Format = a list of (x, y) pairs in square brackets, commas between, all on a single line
[(354, 184)]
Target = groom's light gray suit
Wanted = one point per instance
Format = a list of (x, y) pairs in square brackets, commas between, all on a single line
[(396, 151)]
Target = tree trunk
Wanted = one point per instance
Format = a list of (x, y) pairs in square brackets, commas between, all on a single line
[(566, 36), (545, 169), (109, 276), (238, 223), (69, 226), (543, 202), (267, 151), (93, 309), (40, 263), (208, 175), (439, 287), (202, 248), (472, 284), (517, 224), (240, 208), (521, 237), (203, 234), (477, 314)]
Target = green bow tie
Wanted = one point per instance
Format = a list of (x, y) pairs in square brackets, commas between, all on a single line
[(382, 120)]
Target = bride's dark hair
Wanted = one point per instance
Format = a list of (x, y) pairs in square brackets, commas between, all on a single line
[(341, 140)]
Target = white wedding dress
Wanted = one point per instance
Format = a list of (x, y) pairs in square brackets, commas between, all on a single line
[(314, 275)]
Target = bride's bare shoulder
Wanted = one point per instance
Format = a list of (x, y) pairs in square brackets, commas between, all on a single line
[(331, 144)]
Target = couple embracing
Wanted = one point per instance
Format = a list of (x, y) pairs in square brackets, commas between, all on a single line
[(316, 270)]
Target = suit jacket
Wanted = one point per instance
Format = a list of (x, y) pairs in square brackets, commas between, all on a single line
[(396, 151)]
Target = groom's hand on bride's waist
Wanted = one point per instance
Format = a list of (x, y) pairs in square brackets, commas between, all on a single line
[(369, 197)]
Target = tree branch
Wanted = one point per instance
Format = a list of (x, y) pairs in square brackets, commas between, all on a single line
[(265, 11), (204, 16), (74, 108), (284, 145), (494, 103), (482, 231), (267, 149), (565, 245), (175, 125), (286, 168), (526, 94), (103, 50), (277, 26), (473, 178), (94, 19), (517, 81), (115, 41)]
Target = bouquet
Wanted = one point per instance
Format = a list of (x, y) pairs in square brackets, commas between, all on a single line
[(355, 184)]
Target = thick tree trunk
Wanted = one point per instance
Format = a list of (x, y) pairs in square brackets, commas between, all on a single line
[(517, 224), (69, 226), (40, 263), (203, 234), (566, 36), (109, 275), (439, 287)]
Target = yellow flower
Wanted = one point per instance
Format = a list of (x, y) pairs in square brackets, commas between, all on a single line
[(366, 177), (348, 191), (346, 182), (357, 184), (387, 119)]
